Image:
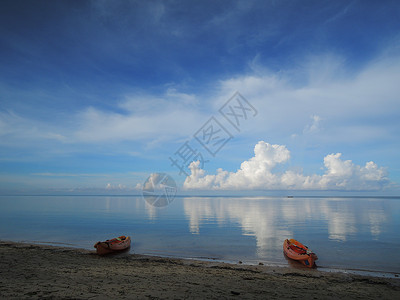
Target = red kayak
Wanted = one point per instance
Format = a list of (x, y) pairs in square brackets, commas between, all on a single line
[(113, 245), (297, 251)]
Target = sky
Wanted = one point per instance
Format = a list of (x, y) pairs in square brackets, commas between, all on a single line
[(224, 96)]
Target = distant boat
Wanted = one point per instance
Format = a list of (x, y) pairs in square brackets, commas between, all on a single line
[(297, 251), (114, 245), (290, 196)]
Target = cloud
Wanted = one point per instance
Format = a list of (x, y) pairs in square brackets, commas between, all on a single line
[(141, 103), (315, 125), (140, 118), (113, 187), (257, 173), (15, 128), (48, 174), (325, 87), (143, 117), (318, 86), (138, 187)]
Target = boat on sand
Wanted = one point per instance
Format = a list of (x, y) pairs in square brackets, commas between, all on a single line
[(114, 245), (297, 251)]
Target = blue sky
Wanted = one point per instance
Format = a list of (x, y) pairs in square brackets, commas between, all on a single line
[(97, 95)]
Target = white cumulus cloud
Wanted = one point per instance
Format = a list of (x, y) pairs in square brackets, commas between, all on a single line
[(258, 173)]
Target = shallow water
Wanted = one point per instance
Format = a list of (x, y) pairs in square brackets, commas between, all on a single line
[(346, 233)]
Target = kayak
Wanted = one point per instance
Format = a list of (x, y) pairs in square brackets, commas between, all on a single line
[(114, 245), (297, 251)]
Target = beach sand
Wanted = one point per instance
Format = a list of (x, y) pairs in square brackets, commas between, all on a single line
[(41, 271)]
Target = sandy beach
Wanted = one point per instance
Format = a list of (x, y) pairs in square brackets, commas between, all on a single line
[(41, 271)]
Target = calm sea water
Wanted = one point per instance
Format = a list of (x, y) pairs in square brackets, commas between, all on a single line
[(346, 233)]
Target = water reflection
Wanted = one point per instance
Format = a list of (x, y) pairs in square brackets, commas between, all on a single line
[(150, 210), (270, 221), (376, 218), (339, 217), (345, 232)]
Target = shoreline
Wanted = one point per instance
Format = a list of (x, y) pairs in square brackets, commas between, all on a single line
[(291, 264), (36, 270)]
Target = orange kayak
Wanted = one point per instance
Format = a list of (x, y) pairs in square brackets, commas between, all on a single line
[(113, 245), (297, 251)]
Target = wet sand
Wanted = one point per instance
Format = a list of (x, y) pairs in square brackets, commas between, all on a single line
[(41, 271)]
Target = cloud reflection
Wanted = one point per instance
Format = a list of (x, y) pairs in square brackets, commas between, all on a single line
[(271, 220)]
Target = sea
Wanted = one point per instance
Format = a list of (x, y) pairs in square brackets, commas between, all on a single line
[(351, 234)]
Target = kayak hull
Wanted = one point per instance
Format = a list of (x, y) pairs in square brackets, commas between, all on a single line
[(297, 251), (114, 245)]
